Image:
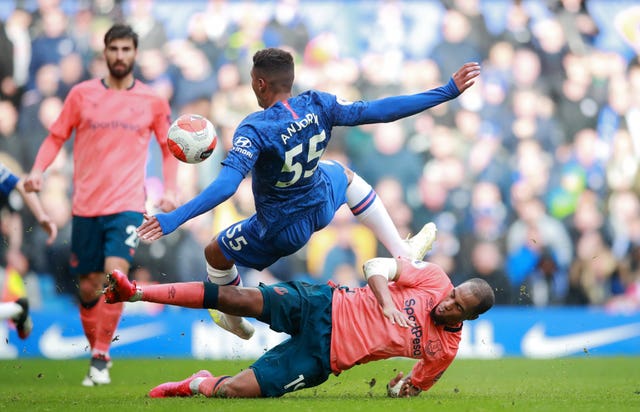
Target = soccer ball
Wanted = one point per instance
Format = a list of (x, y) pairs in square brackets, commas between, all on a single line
[(192, 138)]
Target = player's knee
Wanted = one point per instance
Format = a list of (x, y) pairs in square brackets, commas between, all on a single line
[(240, 386), (89, 286), (215, 258)]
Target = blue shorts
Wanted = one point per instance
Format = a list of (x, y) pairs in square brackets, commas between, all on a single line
[(303, 311), (246, 244), (95, 238)]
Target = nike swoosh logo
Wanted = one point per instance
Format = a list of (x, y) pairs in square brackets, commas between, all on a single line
[(535, 344), (54, 345)]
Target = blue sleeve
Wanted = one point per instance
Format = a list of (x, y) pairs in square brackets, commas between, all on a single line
[(393, 108), (217, 192), (8, 180)]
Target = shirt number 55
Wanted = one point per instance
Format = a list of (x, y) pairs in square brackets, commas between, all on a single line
[(235, 240)]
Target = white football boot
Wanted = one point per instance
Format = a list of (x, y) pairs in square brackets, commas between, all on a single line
[(237, 325), (422, 242), (98, 372)]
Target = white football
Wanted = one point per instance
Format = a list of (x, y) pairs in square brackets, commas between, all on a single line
[(192, 138)]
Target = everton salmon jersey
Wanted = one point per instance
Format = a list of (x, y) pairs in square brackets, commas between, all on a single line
[(360, 333), (281, 147)]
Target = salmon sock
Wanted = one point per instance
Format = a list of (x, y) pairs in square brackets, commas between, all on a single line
[(209, 386), (89, 319), (188, 294), (108, 319)]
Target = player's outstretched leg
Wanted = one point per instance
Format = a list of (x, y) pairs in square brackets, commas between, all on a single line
[(119, 288), (23, 322), (422, 242), (181, 388)]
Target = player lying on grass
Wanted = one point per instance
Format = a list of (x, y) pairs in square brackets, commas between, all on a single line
[(419, 315)]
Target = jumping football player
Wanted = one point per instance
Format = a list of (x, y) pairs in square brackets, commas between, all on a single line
[(295, 192)]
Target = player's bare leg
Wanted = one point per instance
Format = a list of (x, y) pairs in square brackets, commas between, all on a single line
[(242, 385)]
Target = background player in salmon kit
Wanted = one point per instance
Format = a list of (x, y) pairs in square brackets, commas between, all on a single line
[(113, 119)]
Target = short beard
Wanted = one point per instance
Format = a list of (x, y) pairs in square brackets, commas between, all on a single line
[(119, 74)]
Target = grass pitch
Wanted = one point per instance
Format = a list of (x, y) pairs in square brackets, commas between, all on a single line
[(569, 384)]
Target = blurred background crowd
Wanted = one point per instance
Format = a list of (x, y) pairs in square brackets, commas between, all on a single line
[(532, 175)]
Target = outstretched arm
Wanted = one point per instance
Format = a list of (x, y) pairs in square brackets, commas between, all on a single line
[(33, 203), (225, 185), (397, 107)]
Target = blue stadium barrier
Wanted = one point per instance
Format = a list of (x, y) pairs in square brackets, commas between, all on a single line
[(154, 331)]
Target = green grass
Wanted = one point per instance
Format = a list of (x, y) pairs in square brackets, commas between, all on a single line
[(572, 384)]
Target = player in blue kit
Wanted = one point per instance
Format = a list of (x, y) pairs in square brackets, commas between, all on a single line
[(296, 193), (14, 304)]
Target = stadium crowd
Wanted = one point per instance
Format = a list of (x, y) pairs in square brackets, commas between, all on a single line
[(532, 176)]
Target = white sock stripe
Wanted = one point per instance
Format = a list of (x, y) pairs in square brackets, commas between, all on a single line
[(193, 385), (223, 277), (357, 191)]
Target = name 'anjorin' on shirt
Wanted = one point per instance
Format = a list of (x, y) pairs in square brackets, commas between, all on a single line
[(361, 333), (112, 134)]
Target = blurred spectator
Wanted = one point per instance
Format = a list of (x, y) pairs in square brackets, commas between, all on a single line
[(344, 242), (546, 285), (52, 45), (198, 36), (580, 28), (71, 72), (487, 263), (390, 157), (154, 71), (534, 231), (594, 273), (10, 142), (151, 32), (457, 45), (7, 84), (287, 27), (17, 29), (194, 81)]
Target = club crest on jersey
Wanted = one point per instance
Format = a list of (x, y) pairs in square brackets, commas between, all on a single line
[(343, 102), (432, 347)]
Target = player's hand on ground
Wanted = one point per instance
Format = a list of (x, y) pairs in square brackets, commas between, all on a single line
[(397, 317), (168, 202), (150, 229), (401, 388), (464, 77), (33, 182)]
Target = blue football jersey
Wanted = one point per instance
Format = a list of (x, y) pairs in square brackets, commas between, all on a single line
[(281, 147), (8, 180)]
